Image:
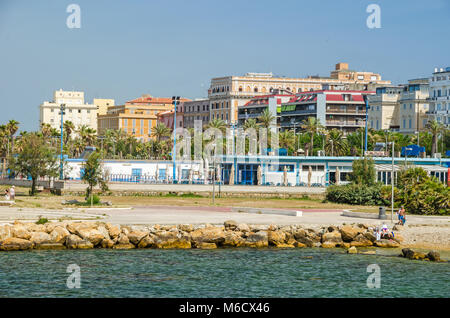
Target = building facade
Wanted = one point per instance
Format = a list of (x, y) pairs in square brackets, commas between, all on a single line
[(344, 110), (135, 117), (227, 94), (196, 110), (400, 108), (76, 110), (102, 105), (440, 96)]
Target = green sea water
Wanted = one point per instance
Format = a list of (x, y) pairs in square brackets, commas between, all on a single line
[(218, 273)]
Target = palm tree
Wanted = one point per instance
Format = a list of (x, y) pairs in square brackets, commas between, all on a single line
[(266, 119), (336, 144), (87, 135), (434, 127), (286, 139), (217, 123), (46, 130), (250, 123), (12, 126), (160, 131), (312, 125), (68, 127)]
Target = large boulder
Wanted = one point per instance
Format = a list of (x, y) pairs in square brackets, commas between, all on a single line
[(74, 241), (91, 234), (352, 250), (332, 237), (167, 239), (386, 243), (40, 237), (107, 243), (104, 231), (113, 230), (136, 236), (147, 241), (233, 239), (208, 235), (361, 240), (33, 227), (59, 234), (230, 225), (186, 227), (398, 237), (20, 231), (349, 232), (206, 246), (258, 239), (276, 238), (434, 256), (370, 236), (15, 244), (243, 227), (5, 231)]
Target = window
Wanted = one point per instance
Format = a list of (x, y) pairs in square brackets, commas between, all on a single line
[(240, 88), (404, 123), (79, 111), (410, 106), (404, 106)]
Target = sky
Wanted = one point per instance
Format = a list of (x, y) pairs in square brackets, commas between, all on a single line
[(124, 49)]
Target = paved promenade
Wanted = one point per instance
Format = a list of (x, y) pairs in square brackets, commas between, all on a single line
[(198, 215)]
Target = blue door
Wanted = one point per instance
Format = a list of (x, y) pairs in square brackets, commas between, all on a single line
[(136, 175)]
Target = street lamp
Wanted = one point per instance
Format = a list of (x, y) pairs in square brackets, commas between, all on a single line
[(175, 99), (293, 123), (62, 108), (392, 184), (367, 119)]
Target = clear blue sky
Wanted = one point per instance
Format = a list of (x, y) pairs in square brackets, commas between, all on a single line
[(173, 47)]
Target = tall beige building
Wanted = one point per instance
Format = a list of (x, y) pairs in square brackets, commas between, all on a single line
[(228, 93), (102, 105), (401, 108), (77, 111)]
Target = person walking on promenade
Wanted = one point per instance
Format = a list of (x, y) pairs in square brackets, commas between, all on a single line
[(402, 215), (12, 193)]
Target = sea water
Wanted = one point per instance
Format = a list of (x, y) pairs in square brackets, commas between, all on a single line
[(218, 273)]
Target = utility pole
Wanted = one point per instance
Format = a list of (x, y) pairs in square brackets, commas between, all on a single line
[(392, 185), (175, 99), (61, 172)]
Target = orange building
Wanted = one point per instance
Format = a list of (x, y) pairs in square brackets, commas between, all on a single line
[(136, 117)]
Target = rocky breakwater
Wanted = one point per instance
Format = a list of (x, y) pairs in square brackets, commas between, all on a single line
[(84, 235)]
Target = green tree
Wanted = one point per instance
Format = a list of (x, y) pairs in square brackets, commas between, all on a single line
[(160, 132), (266, 119), (312, 126), (363, 172), (217, 123), (36, 159), (250, 123), (336, 144), (435, 128), (93, 174)]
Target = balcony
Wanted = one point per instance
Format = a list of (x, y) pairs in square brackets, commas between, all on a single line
[(342, 123)]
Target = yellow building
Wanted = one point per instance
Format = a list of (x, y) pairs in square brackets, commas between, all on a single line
[(102, 105), (135, 117)]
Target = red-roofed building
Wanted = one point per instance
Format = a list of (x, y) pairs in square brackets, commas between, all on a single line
[(137, 117), (341, 109)]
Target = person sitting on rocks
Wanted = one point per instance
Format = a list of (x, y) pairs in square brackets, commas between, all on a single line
[(6, 195), (385, 232)]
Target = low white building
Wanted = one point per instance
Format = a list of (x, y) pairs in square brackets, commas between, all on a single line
[(440, 96)]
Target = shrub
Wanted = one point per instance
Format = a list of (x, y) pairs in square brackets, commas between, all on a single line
[(95, 199), (356, 194), (42, 221)]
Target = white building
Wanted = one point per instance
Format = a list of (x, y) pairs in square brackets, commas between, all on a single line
[(400, 108), (77, 111), (440, 96)]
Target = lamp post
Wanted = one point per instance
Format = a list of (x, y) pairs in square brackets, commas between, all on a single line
[(293, 123), (62, 108), (175, 99), (392, 184)]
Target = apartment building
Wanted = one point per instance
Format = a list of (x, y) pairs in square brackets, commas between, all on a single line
[(344, 110), (227, 94), (76, 110), (400, 108), (439, 98), (197, 109), (136, 117)]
